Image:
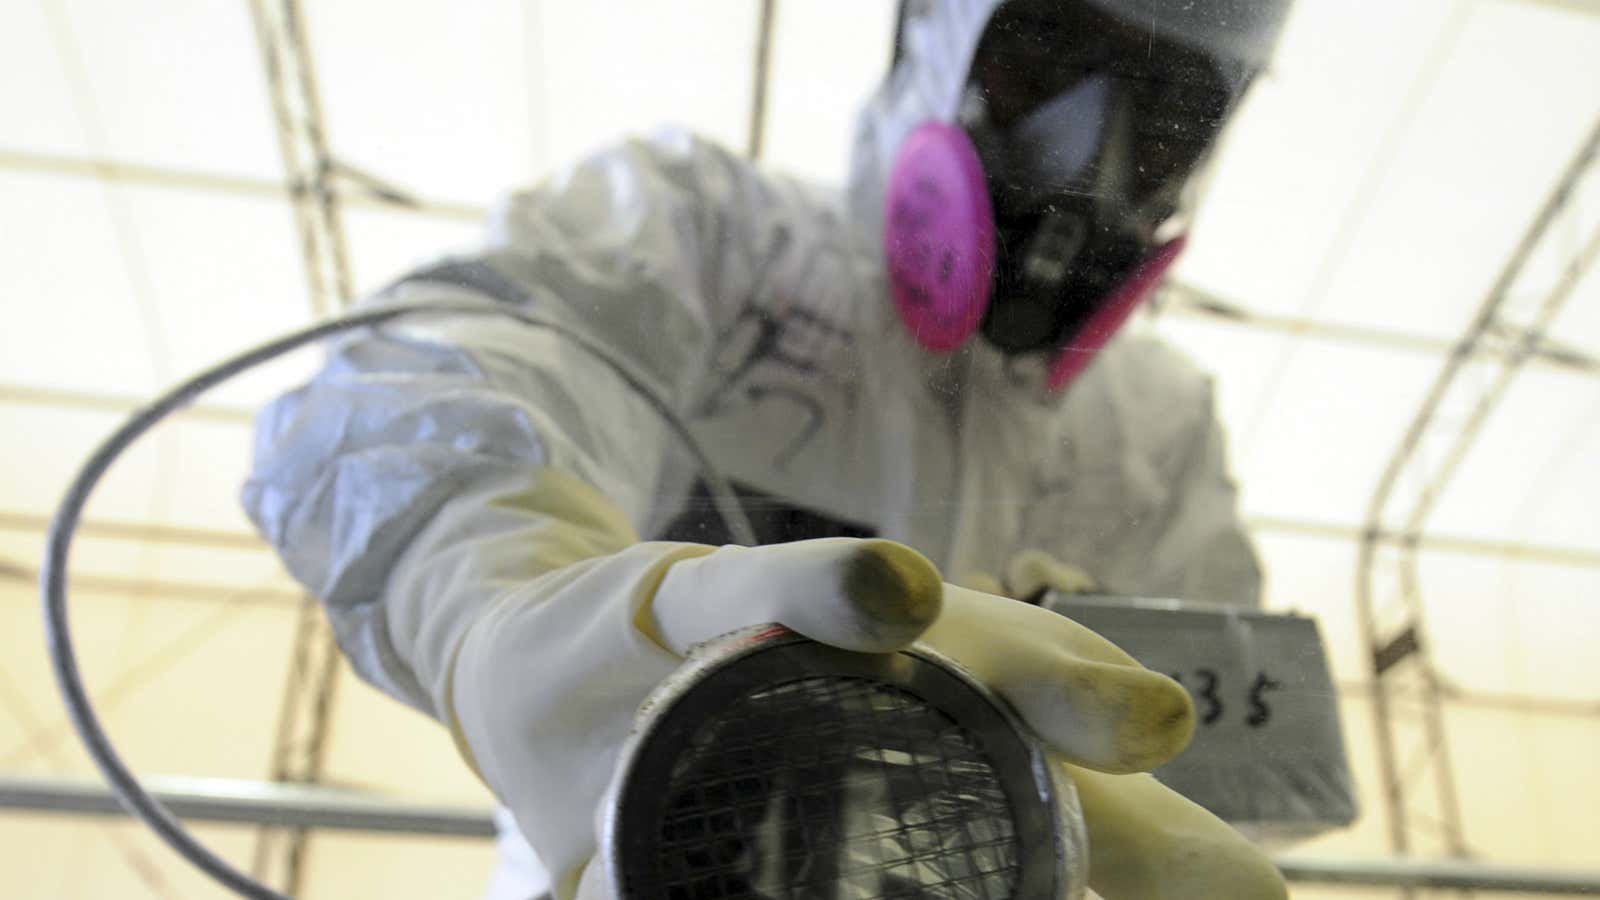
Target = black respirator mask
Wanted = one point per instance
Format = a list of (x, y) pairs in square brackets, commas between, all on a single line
[(1059, 197)]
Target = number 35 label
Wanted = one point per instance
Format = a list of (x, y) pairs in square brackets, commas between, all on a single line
[(1267, 750), (1207, 688)]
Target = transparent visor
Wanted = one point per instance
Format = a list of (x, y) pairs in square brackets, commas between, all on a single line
[(1070, 107)]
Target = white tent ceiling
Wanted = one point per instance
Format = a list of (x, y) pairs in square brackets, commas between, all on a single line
[(1371, 191)]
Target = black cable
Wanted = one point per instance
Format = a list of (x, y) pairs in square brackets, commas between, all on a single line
[(63, 527)]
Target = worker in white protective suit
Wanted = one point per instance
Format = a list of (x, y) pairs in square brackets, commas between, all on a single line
[(507, 537)]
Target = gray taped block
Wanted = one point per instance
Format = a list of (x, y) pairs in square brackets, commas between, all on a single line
[(1268, 753)]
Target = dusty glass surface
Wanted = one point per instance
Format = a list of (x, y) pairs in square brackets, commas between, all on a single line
[(1259, 338)]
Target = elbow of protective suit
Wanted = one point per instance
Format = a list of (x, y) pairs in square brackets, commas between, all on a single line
[(500, 542), (467, 575), (406, 543)]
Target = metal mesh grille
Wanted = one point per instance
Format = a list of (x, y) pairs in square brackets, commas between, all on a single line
[(832, 787)]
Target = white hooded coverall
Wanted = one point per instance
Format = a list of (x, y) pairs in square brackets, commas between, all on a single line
[(757, 307)]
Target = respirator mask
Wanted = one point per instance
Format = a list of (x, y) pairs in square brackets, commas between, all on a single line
[(1061, 194)]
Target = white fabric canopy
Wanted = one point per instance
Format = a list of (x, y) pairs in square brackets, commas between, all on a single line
[(1372, 190)]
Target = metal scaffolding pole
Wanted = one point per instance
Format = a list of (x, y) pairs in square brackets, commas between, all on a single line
[(761, 79), (1549, 554), (140, 532), (303, 144), (1440, 874), (19, 573), (1192, 302), (295, 806), (1414, 752), (352, 191), (264, 803), (301, 743), (307, 707)]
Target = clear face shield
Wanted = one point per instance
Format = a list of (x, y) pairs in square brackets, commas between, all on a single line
[(1057, 199), (1091, 133)]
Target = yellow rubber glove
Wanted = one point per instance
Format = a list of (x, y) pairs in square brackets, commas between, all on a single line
[(1150, 843), (1029, 573), (544, 683), (1032, 571), (1108, 720)]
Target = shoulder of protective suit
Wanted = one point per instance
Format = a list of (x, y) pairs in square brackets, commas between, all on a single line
[(1152, 398), (668, 163), (1149, 366), (606, 182), (655, 201)]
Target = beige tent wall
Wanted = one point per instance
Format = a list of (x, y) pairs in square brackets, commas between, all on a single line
[(1363, 205)]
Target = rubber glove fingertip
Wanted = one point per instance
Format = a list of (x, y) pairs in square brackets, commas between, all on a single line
[(1115, 719), (893, 592), (1159, 724)]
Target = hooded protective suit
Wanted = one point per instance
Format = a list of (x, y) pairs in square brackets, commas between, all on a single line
[(757, 307)]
